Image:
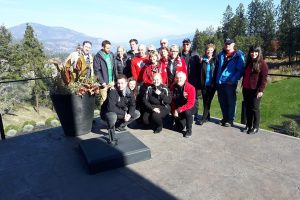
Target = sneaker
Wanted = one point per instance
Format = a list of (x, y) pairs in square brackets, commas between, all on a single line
[(121, 129), (221, 122), (188, 134), (228, 124)]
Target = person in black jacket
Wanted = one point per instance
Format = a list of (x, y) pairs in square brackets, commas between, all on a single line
[(120, 61), (157, 100), (118, 110), (207, 81), (192, 61)]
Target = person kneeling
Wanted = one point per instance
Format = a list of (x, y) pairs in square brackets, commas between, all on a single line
[(156, 100), (183, 103), (118, 109)]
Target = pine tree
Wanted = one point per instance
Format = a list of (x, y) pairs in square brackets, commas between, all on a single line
[(227, 25), (288, 23), (269, 25), (34, 59), (239, 22), (196, 44), (255, 18)]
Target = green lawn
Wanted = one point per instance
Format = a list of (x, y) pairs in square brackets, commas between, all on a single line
[(281, 102)]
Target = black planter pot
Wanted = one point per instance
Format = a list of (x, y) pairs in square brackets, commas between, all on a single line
[(74, 112)]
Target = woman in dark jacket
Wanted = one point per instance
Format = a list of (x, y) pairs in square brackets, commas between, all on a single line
[(157, 100), (254, 83), (207, 81)]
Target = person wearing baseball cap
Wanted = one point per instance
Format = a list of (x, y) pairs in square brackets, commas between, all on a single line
[(230, 68)]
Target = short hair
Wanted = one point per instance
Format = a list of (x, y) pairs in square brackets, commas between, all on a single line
[(164, 39), (210, 45), (174, 46), (181, 72), (121, 47), (131, 79), (86, 41), (154, 53), (133, 40), (121, 76), (105, 42)]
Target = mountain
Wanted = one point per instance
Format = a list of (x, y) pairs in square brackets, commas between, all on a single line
[(64, 40), (55, 39)]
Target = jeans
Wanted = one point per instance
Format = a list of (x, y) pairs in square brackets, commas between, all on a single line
[(112, 119), (227, 100)]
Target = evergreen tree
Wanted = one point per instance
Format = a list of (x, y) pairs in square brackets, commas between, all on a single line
[(196, 44), (255, 18), (34, 59), (227, 23), (239, 22), (288, 23)]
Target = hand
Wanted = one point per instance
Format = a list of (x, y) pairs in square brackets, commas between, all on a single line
[(176, 113), (259, 94), (103, 84), (127, 117), (156, 110), (157, 91)]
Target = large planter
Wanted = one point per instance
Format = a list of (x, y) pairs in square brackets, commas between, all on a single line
[(74, 112)]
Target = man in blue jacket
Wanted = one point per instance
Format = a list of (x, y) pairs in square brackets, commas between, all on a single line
[(231, 65)]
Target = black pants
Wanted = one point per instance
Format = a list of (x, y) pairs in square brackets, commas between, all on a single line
[(185, 119), (112, 119), (208, 94), (252, 104), (156, 118)]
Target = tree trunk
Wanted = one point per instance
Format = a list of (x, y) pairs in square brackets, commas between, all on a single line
[(37, 107)]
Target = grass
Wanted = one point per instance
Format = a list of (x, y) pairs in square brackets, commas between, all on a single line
[(280, 102)]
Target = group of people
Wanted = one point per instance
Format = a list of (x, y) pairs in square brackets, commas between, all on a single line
[(150, 84)]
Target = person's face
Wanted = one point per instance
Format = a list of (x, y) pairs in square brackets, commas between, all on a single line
[(106, 48), (164, 53), (180, 79), (142, 51), (132, 85), (163, 43), (186, 46), (121, 84), (229, 47), (86, 48), (133, 46), (174, 52), (157, 80), (120, 52), (254, 54), (209, 52), (153, 59)]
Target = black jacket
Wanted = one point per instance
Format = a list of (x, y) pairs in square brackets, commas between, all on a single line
[(119, 103), (100, 67), (152, 100), (193, 68), (203, 70), (120, 65)]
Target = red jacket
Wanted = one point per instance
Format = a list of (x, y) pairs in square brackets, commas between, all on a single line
[(152, 69), (137, 67), (183, 97), (256, 80)]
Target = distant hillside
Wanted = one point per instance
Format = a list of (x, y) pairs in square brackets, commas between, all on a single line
[(64, 40), (55, 39)]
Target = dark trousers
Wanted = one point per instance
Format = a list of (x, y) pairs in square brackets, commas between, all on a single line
[(156, 118), (252, 104), (207, 96), (227, 100), (112, 119), (185, 119)]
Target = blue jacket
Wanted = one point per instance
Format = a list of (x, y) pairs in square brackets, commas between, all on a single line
[(234, 69), (100, 67)]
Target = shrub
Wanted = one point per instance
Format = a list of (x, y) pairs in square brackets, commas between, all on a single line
[(28, 128), (11, 133), (31, 122), (11, 127), (40, 125), (55, 123), (48, 121), (291, 127)]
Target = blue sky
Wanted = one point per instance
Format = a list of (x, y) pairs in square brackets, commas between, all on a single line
[(119, 20)]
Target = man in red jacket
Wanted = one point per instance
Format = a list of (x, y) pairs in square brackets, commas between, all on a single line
[(183, 103)]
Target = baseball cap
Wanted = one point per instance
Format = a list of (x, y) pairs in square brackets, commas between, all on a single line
[(186, 40), (228, 41)]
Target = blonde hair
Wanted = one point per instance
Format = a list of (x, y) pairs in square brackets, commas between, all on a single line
[(210, 45)]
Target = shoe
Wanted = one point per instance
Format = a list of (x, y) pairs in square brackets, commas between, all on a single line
[(121, 129), (112, 137), (157, 130), (200, 122), (245, 129), (188, 134), (228, 124), (252, 131)]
